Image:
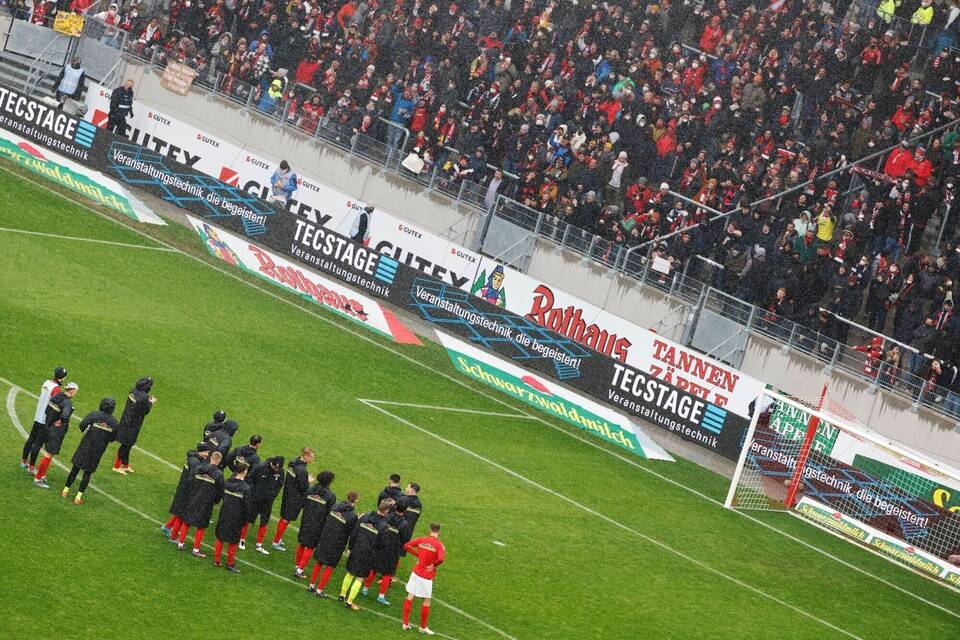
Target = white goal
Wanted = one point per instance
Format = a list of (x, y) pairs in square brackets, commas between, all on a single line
[(813, 459)]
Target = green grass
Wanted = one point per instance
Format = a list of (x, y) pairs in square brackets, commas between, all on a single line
[(592, 545)]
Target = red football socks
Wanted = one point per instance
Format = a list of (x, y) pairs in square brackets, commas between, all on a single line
[(315, 573), (116, 463), (281, 527), (42, 468), (325, 578), (370, 578), (197, 539), (385, 584), (172, 521), (217, 551), (184, 529), (424, 614), (297, 554), (244, 530), (261, 533), (231, 554), (407, 604), (305, 558)]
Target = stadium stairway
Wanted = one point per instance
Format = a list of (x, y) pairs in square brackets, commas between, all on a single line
[(15, 67)]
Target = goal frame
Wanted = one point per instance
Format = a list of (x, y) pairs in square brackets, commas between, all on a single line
[(816, 417)]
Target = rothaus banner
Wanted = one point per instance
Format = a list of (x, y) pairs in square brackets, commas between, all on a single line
[(313, 201), (332, 295), (699, 399)]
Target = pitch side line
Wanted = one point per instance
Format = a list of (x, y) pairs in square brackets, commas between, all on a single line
[(11, 411), (362, 336), (610, 520), (14, 388), (414, 405), (78, 239)]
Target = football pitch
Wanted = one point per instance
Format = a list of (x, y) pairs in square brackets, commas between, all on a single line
[(549, 532)]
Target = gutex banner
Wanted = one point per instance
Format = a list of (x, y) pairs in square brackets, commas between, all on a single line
[(551, 398), (328, 294), (313, 201)]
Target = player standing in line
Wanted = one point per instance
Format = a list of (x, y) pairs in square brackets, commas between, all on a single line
[(246, 453), (392, 539), (413, 508), (48, 389), (392, 491), (138, 405), (178, 507), (222, 439), (337, 530), (59, 410), (206, 490), (430, 554), (295, 489), (237, 498), (99, 428), (219, 417), (364, 547), (267, 480), (315, 509)]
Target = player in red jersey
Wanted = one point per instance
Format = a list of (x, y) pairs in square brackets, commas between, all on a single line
[(430, 553)]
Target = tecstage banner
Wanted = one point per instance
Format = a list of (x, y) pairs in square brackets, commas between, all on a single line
[(281, 272), (695, 397), (551, 398)]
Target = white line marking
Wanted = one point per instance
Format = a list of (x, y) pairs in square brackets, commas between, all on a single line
[(497, 414), (93, 240), (15, 419), (609, 520), (498, 543), (15, 387), (495, 398)]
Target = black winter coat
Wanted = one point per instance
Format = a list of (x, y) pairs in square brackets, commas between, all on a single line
[(205, 490), (392, 539), (365, 543), (320, 499), (135, 409), (178, 506), (337, 530), (99, 429), (235, 510), (294, 489), (247, 454)]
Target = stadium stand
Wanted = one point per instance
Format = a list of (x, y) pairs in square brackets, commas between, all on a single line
[(799, 158)]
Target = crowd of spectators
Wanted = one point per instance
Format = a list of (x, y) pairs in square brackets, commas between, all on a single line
[(605, 111)]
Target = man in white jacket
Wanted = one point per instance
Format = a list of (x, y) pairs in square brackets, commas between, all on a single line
[(48, 389)]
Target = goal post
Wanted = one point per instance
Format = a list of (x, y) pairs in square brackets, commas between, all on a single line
[(814, 460)]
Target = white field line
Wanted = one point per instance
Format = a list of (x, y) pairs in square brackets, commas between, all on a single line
[(496, 414), (616, 523), (11, 411), (14, 388), (78, 239), (499, 400)]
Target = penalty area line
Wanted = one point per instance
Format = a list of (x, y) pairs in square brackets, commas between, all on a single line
[(662, 545), (479, 412), (15, 420), (93, 240)]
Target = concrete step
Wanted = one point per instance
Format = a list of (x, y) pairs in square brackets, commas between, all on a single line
[(14, 69)]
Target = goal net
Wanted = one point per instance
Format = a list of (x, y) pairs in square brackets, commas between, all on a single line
[(813, 459)]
